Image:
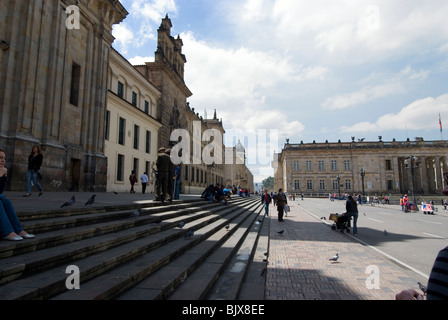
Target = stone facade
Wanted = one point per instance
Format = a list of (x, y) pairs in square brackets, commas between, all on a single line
[(315, 168), (53, 87)]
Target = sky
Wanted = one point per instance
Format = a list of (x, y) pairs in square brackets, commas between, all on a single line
[(305, 70)]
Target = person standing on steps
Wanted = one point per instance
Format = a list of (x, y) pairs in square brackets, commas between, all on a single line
[(164, 165), (35, 160), (266, 201)]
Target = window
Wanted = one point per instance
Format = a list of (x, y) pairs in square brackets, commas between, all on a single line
[(120, 91), (121, 131), (322, 184), (107, 126), (136, 165), (309, 185), (120, 167), (186, 173), (134, 99), (192, 174), (296, 166), (136, 137), (334, 165), (75, 85), (390, 185), (348, 184), (335, 184), (146, 107), (321, 165), (347, 165), (388, 165), (308, 165), (296, 184), (148, 142)]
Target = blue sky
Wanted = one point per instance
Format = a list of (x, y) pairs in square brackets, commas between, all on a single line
[(320, 70)]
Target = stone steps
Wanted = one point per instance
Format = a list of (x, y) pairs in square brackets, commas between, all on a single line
[(118, 255)]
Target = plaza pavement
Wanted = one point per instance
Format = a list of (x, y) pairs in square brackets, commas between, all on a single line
[(298, 260), (299, 266)]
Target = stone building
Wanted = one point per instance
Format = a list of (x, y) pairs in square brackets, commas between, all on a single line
[(380, 168), (132, 131), (235, 170), (53, 87)]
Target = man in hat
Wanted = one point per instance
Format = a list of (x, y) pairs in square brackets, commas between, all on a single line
[(163, 169)]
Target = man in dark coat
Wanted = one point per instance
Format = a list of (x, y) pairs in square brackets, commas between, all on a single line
[(164, 166)]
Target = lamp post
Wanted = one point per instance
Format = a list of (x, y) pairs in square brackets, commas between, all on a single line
[(411, 163), (339, 186), (363, 174)]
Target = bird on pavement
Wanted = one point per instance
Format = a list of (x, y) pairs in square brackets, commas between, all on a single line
[(181, 224), (423, 288), (228, 227), (189, 234), (335, 257), (137, 213), (281, 232), (386, 233), (91, 200), (69, 202)]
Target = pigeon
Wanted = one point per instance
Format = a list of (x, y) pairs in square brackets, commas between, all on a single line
[(386, 233), (157, 221), (181, 224), (323, 218), (189, 234), (228, 227), (261, 220), (69, 202), (137, 213), (281, 232), (423, 288), (91, 200), (335, 258), (364, 214)]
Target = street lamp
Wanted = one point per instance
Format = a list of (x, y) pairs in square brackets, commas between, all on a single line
[(363, 174), (411, 163), (339, 186)]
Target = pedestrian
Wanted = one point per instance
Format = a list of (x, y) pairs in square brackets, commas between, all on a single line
[(266, 201), (402, 203), (163, 167), (170, 187), (35, 160), (144, 180), (352, 210), (406, 203), (281, 203), (177, 174), (11, 228), (133, 180)]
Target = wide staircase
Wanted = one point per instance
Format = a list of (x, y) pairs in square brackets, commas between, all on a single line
[(140, 252)]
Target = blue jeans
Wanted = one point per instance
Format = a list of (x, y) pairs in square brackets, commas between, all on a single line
[(31, 175), (9, 222), (266, 208), (355, 221), (176, 190)]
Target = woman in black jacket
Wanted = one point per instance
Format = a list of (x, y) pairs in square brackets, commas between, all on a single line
[(352, 210), (34, 163)]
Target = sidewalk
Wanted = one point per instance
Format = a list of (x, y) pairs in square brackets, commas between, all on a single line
[(299, 266)]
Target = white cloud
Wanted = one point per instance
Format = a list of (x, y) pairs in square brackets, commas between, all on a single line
[(124, 37), (420, 115), (137, 60), (154, 10)]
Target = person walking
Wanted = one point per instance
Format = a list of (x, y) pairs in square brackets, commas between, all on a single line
[(281, 203), (35, 160), (163, 169), (10, 227), (266, 201), (144, 180), (176, 178), (352, 210), (133, 180)]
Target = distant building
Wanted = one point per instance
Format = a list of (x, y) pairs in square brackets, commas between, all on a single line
[(322, 168)]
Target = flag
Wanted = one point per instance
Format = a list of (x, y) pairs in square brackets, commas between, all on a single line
[(440, 123)]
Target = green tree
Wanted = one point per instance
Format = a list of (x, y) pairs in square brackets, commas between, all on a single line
[(268, 183)]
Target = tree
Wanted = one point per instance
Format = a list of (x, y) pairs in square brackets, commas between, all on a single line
[(268, 183)]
